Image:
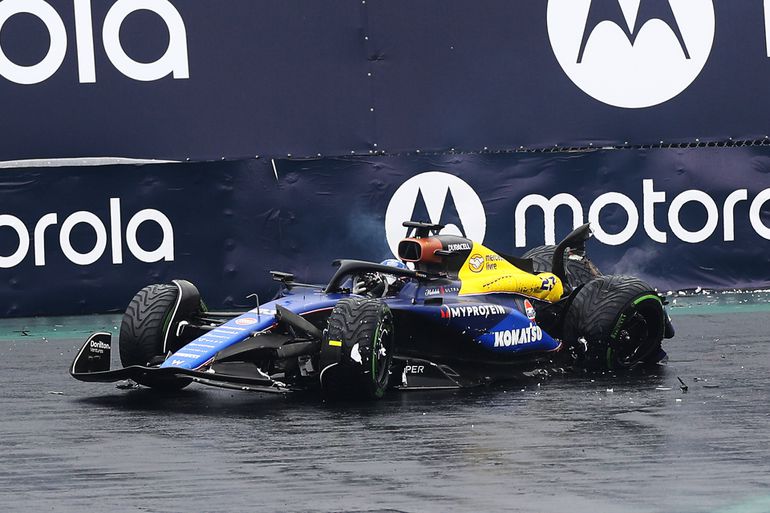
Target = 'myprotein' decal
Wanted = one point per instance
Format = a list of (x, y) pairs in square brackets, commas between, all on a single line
[(448, 312)]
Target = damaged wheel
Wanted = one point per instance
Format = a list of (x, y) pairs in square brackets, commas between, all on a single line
[(579, 268), (357, 349), (615, 322)]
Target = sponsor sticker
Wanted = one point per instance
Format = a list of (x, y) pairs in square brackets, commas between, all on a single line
[(245, 321), (264, 311), (97, 346), (476, 263), (529, 310), (448, 312), (439, 291), (187, 355), (516, 337)]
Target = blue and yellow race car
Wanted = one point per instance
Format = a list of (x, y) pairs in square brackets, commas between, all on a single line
[(449, 313)]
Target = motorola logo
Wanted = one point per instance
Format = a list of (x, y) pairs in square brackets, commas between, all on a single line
[(632, 53), (115, 235), (173, 62), (439, 198)]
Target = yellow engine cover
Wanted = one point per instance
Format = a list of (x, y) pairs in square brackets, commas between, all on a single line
[(485, 271)]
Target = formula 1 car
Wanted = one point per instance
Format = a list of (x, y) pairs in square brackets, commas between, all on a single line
[(462, 315)]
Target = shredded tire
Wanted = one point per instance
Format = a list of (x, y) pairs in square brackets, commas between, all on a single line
[(615, 322), (580, 270)]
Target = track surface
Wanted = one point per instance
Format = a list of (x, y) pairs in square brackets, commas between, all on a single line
[(614, 444)]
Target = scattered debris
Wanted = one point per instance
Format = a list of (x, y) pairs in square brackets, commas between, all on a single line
[(684, 387), (663, 389), (710, 386), (54, 392), (126, 385)]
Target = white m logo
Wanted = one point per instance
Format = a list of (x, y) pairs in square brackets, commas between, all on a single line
[(632, 53), (438, 198)]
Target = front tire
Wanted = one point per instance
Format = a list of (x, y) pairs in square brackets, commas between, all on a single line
[(615, 322), (143, 332), (357, 349)]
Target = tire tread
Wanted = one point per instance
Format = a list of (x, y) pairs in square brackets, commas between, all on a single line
[(354, 321), (141, 330)]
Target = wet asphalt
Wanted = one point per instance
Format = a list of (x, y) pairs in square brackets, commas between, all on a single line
[(632, 443)]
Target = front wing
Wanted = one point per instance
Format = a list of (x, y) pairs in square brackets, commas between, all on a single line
[(92, 364)]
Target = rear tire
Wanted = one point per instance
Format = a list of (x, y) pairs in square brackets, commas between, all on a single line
[(144, 328), (359, 345), (579, 268), (615, 322)]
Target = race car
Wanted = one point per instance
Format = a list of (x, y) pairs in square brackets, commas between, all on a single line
[(449, 313)]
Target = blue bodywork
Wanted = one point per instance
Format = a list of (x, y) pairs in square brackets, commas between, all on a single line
[(491, 323)]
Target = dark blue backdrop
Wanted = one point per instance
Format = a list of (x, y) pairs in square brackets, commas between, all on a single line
[(278, 77), (232, 222)]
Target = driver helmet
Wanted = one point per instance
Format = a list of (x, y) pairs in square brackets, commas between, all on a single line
[(389, 278), (392, 262)]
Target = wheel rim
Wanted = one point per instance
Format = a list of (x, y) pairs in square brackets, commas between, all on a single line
[(637, 332), (381, 354)]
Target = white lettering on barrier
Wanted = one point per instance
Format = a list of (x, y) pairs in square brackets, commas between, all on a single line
[(650, 197), (549, 210), (164, 251), (729, 212), (755, 214), (173, 62), (21, 251), (626, 204), (94, 222), (712, 216)]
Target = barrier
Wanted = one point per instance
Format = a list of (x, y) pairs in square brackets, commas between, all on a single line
[(677, 217), (209, 80)]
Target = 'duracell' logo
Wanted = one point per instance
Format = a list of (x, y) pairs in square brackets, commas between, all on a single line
[(632, 53)]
